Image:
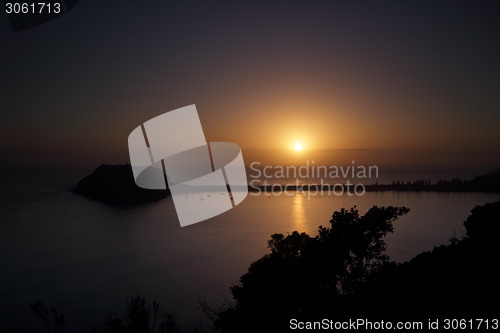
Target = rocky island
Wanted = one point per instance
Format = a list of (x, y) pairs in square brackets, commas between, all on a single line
[(115, 185)]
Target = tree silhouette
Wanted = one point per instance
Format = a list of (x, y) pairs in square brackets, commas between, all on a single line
[(343, 273), (305, 277), (140, 317)]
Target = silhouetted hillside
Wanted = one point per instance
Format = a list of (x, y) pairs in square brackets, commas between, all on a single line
[(459, 279), (343, 273), (114, 184)]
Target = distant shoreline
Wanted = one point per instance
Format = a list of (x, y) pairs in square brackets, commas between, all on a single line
[(369, 188), (115, 185), (489, 183)]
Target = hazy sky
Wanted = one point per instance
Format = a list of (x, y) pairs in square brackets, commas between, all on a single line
[(420, 75)]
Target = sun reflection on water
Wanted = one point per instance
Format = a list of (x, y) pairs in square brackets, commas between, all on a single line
[(298, 212)]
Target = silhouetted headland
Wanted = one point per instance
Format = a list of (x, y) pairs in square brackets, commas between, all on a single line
[(114, 184)]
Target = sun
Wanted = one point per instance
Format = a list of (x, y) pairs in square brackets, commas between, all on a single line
[(298, 146)]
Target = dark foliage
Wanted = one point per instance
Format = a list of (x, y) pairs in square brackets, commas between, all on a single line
[(52, 320), (140, 317), (308, 277), (459, 279), (343, 273)]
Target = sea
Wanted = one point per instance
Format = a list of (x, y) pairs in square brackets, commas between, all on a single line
[(85, 258)]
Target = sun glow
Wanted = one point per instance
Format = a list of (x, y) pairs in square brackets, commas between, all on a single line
[(298, 146)]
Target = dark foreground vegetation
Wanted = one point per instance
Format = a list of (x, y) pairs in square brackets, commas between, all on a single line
[(342, 273), (140, 316)]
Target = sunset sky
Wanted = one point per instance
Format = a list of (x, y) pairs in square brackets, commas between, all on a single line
[(377, 75)]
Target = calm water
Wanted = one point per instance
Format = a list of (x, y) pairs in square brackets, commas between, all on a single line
[(85, 258)]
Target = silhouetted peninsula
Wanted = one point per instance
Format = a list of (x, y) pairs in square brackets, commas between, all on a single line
[(114, 184), (488, 183)]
